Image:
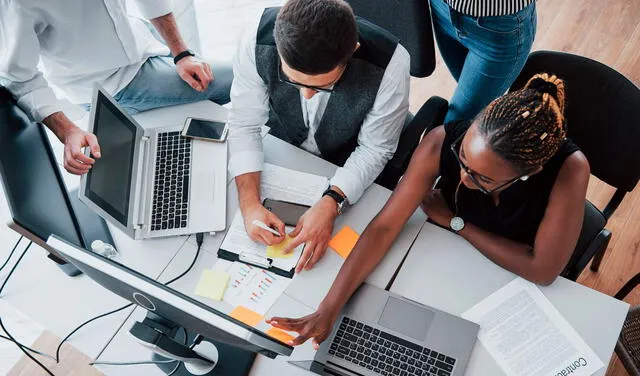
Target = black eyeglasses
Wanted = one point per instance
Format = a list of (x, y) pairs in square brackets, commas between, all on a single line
[(472, 174), (297, 85)]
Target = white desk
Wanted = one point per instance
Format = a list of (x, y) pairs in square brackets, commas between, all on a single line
[(307, 289), (60, 303), (444, 271)]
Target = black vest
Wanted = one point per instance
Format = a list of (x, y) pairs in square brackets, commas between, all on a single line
[(348, 105)]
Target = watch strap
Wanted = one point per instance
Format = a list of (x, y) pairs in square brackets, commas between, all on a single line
[(334, 195), (182, 55)]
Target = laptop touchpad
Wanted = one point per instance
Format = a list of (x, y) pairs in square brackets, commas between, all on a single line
[(409, 319)]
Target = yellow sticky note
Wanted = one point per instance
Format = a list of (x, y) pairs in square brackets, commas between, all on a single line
[(277, 250), (344, 241), (247, 316), (212, 284), (280, 335)]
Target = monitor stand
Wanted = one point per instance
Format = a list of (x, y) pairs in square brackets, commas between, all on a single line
[(207, 357)]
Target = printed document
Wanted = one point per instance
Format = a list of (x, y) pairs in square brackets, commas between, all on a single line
[(279, 183), (251, 287), (527, 336)]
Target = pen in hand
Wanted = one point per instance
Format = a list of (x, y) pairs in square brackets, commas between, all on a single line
[(263, 226)]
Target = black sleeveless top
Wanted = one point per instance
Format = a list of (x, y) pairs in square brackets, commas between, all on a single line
[(522, 205)]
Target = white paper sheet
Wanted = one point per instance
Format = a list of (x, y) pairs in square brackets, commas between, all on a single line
[(527, 336), (238, 241), (283, 184), (252, 287)]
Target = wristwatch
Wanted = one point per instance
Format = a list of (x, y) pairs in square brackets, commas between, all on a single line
[(338, 198), (456, 224), (182, 55)]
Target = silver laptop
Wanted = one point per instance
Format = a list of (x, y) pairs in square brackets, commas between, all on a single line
[(382, 333), (153, 182)]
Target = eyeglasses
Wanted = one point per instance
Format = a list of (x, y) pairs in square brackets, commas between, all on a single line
[(472, 174), (297, 85)]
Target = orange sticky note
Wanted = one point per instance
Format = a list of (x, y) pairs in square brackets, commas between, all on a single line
[(280, 335), (247, 316), (344, 241)]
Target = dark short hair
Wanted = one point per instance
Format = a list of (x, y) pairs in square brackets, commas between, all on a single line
[(315, 36)]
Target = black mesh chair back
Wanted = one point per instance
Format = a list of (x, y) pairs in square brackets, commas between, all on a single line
[(410, 21)]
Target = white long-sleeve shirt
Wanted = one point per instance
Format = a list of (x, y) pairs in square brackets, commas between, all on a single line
[(377, 140), (79, 42)]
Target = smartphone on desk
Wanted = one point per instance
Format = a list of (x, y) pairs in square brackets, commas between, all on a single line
[(288, 212), (207, 130)]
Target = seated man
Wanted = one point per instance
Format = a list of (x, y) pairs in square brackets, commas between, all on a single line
[(82, 42), (329, 84)]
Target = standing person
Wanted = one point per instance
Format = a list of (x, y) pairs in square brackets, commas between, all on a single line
[(322, 81), (485, 44), (82, 42)]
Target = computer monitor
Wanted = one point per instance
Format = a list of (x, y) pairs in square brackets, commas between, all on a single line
[(36, 194), (169, 304)]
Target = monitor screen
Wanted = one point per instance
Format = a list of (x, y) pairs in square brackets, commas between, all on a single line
[(109, 180), (168, 303), (34, 188)]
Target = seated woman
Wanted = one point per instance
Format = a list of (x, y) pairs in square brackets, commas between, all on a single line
[(511, 184)]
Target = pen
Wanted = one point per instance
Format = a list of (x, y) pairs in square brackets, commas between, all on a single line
[(265, 227)]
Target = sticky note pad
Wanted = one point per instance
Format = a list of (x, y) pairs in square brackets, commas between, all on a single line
[(212, 284), (280, 335), (277, 250), (344, 241), (247, 316)]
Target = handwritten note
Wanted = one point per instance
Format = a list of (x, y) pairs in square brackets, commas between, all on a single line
[(276, 251)]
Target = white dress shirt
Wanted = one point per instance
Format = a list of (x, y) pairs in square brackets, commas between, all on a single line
[(79, 41), (377, 140)]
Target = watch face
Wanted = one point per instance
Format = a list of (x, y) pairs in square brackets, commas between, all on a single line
[(456, 224)]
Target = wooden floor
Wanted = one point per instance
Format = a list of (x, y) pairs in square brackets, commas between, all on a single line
[(607, 31)]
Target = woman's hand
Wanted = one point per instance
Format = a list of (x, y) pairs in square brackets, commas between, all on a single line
[(435, 206), (316, 326)]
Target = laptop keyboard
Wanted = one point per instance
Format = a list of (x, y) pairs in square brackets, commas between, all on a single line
[(386, 354), (171, 186)]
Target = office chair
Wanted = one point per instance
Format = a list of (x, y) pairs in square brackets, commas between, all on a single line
[(628, 345), (603, 118), (410, 21)]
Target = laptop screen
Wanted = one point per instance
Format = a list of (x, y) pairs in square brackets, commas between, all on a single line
[(109, 180)]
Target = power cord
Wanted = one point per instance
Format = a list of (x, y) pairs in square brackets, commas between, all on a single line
[(11, 254), (22, 347), (199, 241), (29, 348)]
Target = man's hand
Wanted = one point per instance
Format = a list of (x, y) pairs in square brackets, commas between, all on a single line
[(314, 229), (74, 140), (195, 72), (258, 234), (435, 206)]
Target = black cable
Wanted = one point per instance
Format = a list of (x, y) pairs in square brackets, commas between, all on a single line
[(29, 348), (25, 351), (20, 346), (199, 241), (11, 254), (14, 267)]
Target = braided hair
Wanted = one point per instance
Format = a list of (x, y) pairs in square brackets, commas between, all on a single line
[(527, 127)]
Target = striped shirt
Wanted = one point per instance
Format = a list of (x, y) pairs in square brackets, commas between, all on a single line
[(488, 8)]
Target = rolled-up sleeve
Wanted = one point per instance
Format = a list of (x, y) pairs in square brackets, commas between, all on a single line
[(19, 63), (380, 132), (249, 110), (151, 9)]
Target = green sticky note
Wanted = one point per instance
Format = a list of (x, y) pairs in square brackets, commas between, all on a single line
[(212, 284)]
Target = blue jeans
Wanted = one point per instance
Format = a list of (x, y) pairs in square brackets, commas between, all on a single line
[(157, 84), (484, 54)]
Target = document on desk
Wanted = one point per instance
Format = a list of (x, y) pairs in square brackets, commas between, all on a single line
[(251, 287), (527, 336), (279, 183), (238, 241)]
